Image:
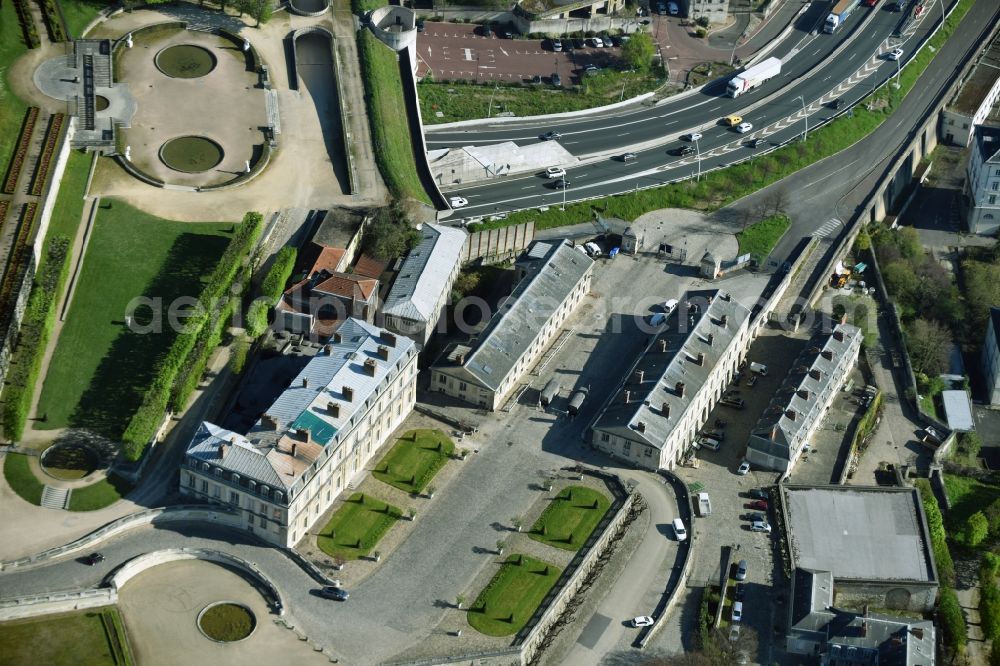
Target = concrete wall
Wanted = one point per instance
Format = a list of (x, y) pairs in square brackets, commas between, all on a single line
[(56, 602), (396, 27), (502, 243), (918, 597)]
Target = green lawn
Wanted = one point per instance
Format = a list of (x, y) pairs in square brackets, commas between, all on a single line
[(414, 460), (760, 238), (967, 496), (99, 495), (69, 205), (79, 14), (21, 479), (355, 529), (91, 638), (512, 597), (463, 100), (100, 368), (11, 107), (388, 119), (570, 518)]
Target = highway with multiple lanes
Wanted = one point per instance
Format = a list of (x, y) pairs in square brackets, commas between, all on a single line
[(817, 70)]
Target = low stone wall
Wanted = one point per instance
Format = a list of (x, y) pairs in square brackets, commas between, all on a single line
[(56, 602), (498, 242)]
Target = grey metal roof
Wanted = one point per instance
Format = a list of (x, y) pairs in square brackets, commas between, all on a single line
[(424, 274), (554, 269), (848, 638), (670, 358), (304, 405), (988, 139), (796, 405), (958, 410), (861, 533)]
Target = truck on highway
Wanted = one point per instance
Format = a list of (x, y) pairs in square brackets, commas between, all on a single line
[(752, 77), (839, 14)]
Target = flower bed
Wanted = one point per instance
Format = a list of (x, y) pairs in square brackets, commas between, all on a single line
[(21, 152), (53, 21), (45, 160), (27, 24), (18, 255)]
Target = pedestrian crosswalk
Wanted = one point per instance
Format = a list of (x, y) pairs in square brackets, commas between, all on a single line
[(828, 228)]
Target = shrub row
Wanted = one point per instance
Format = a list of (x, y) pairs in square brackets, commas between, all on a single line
[(53, 21), (45, 160), (21, 152), (181, 368), (36, 327), (16, 263), (27, 24), (935, 523), (273, 284), (952, 620), (989, 596)]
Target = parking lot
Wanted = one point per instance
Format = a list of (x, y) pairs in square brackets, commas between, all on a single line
[(456, 51)]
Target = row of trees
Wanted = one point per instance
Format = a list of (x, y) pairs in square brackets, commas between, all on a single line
[(181, 368)]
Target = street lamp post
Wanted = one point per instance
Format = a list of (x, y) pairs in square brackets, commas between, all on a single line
[(564, 184), (805, 136), (622, 97), (489, 113), (698, 149)]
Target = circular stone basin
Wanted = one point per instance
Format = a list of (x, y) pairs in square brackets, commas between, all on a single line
[(185, 61), (101, 102), (227, 622), (191, 154), (69, 461)]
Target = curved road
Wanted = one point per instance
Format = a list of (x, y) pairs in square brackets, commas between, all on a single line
[(818, 69)]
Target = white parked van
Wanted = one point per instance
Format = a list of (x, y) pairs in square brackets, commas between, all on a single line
[(759, 368), (710, 443), (593, 249), (679, 530), (704, 504)]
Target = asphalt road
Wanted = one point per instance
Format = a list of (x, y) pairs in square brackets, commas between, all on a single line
[(819, 68)]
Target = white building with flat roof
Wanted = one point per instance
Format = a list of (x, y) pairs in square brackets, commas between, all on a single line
[(313, 440)]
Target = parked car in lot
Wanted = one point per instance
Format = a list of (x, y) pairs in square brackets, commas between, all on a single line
[(557, 45), (760, 526), (756, 517), (743, 468), (741, 570), (335, 593), (420, 25), (579, 44), (556, 80), (683, 151), (673, 9), (760, 505), (752, 380), (736, 403), (738, 611), (555, 172), (596, 42), (537, 78), (759, 493), (641, 621), (741, 590), (508, 34), (485, 30)]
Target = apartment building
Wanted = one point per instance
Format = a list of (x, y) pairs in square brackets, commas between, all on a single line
[(976, 101), (982, 183), (652, 419), (552, 277), (991, 358), (313, 440)]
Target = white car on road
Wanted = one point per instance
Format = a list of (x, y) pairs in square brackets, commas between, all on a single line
[(641, 621), (693, 136), (458, 202), (743, 128), (895, 54), (555, 172)]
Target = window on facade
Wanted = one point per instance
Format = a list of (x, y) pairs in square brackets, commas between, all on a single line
[(995, 185), (234, 497), (649, 452), (217, 472), (993, 199), (462, 386), (192, 481), (605, 437), (626, 447), (204, 487), (250, 519), (276, 514), (216, 492)]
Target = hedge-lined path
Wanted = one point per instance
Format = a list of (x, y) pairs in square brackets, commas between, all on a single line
[(978, 648)]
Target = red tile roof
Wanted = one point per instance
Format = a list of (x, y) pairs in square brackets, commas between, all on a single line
[(369, 267), (348, 286)]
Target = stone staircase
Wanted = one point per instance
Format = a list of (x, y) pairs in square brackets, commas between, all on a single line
[(55, 498)]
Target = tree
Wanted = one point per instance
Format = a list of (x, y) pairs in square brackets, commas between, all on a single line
[(638, 51), (908, 241), (261, 11), (977, 527), (863, 242), (390, 235), (929, 344), (981, 284), (900, 280), (465, 283)]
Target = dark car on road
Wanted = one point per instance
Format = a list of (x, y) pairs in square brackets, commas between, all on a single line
[(94, 559), (561, 184), (551, 136), (628, 157), (335, 593), (683, 151)]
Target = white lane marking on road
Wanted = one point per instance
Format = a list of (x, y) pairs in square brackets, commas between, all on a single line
[(503, 52), (467, 52), (430, 51), (827, 228), (846, 166)]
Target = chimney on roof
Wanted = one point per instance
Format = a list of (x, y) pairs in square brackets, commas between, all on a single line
[(679, 389), (701, 358), (838, 335), (327, 348), (665, 410), (305, 382), (641, 426), (774, 432), (370, 366), (709, 339), (918, 633), (303, 434), (383, 352), (348, 393), (723, 320), (725, 296), (271, 422), (627, 396), (333, 408), (460, 358), (827, 354), (337, 337), (663, 345), (804, 394), (639, 375), (814, 374), (222, 451), (295, 448), (389, 338), (790, 413)]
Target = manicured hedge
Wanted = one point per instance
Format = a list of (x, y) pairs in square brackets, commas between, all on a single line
[(989, 596), (27, 24), (21, 152), (48, 152), (277, 276), (182, 367), (952, 620)]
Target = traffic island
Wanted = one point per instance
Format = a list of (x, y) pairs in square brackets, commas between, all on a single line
[(226, 622)]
